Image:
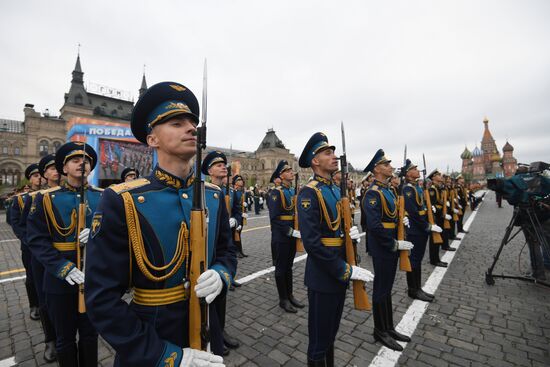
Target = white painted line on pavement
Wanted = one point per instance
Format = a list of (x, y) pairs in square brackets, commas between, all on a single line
[(262, 216), (12, 280), (7, 362), (12, 240), (257, 274), (387, 357)]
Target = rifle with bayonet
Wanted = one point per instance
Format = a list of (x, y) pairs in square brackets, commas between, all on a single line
[(81, 224), (198, 309), (436, 237), (299, 243), (360, 298), (404, 261)]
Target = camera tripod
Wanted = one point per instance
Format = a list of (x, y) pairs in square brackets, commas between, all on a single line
[(525, 215)]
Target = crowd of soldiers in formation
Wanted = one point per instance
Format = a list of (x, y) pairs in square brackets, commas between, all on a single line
[(116, 262)]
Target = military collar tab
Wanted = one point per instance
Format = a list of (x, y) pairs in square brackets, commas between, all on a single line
[(67, 186), (381, 184), (322, 179), (172, 181)]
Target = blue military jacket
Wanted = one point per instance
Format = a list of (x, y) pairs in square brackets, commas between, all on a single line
[(51, 232), (159, 206), (380, 206), (280, 202), (18, 215), (436, 199), (416, 210), (320, 222), (235, 204)]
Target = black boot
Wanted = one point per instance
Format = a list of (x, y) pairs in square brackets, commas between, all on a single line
[(240, 252), (414, 291), (329, 356), (389, 323), (35, 313), (230, 342), (67, 357), (380, 333), (87, 353), (236, 284), (290, 288), (284, 303), (50, 354), (418, 277), (318, 363)]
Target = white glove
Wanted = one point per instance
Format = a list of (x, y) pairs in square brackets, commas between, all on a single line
[(245, 215), (75, 276), (448, 204), (238, 229), (354, 233), (209, 285), (406, 222), (232, 222), (448, 217), (433, 209), (260, 201), (460, 206), (198, 358), (404, 245), (436, 228), (358, 273), (296, 234), (455, 211), (245, 204), (83, 236)]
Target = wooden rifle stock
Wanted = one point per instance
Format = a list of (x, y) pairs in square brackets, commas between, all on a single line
[(436, 237), (404, 261), (299, 243), (243, 196), (454, 198), (446, 223), (197, 307), (79, 251), (360, 298)]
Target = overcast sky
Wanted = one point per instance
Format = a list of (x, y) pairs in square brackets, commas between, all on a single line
[(421, 73)]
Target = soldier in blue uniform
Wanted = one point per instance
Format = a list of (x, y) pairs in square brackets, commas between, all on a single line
[(380, 205), (327, 273), (418, 230), (18, 222), (140, 240), (47, 170), (215, 166), (129, 174), (240, 204), (52, 236), (283, 235), (276, 181), (436, 198)]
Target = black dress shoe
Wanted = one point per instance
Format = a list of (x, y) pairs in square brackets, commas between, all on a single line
[(295, 302), (443, 264), (243, 254), (230, 342), (236, 284), (429, 295), (287, 306), (419, 295), (225, 352), (232, 287), (50, 354), (239, 255), (448, 248), (35, 313), (386, 339), (319, 363), (398, 336)]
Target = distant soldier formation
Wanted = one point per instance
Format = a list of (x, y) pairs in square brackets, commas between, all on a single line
[(148, 263)]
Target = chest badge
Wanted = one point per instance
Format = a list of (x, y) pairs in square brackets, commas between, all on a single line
[(96, 223), (305, 203), (372, 202)]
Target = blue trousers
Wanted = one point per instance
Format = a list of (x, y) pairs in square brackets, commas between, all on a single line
[(384, 276), (417, 253), (325, 312)]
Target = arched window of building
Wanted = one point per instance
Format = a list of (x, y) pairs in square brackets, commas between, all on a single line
[(5, 149), (114, 112), (56, 146), (17, 151), (78, 99), (43, 148)]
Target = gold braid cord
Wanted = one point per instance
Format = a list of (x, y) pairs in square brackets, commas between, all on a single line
[(283, 201), (137, 246), (333, 225), (389, 213), (50, 218)]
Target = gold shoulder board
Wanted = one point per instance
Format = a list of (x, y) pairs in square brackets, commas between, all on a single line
[(127, 186), (212, 186), (51, 189)]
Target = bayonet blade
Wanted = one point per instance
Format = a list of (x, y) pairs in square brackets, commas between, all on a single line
[(343, 137), (204, 94), (405, 156)]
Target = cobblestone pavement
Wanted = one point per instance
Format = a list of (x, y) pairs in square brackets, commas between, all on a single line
[(469, 324)]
